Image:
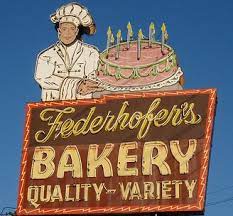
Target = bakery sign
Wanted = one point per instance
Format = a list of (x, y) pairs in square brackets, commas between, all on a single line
[(121, 153)]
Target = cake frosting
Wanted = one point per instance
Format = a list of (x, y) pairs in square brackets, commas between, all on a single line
[(156, 68)]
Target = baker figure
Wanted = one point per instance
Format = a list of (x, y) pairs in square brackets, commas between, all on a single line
[(62, 70)]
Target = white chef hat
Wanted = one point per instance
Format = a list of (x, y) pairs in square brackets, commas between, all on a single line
[(76, 14)]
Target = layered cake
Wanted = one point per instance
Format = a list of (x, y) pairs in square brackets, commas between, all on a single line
[(155, 69)]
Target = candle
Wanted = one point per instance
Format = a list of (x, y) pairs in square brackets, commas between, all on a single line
[(151, 33), (112, 39), (118, 44), (163, 28), (129, 34), (140, 36), (109, 34)]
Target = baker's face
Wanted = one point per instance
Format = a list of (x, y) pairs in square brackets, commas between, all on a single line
[(67, 33)]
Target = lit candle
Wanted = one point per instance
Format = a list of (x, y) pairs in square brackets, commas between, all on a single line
[(164, 36), (151, 34), (109, 34), (112, 40), (140, 37), (118, 44), (129, 34)]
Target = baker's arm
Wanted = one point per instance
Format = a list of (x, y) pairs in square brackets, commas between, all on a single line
[(86, 87)]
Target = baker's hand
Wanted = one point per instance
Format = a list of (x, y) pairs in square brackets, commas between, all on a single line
[(88, 86)]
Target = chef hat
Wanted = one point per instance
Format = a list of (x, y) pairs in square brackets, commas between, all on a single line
[(76, 14)]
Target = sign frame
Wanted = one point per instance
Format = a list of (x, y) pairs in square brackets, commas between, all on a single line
[(197, 207)]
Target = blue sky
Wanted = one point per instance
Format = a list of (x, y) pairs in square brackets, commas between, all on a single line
[(201, 32)]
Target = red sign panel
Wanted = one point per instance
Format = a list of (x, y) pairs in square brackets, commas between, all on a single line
[(128, 153)]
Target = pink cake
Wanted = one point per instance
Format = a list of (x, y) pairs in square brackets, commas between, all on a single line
[(154, 69)]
